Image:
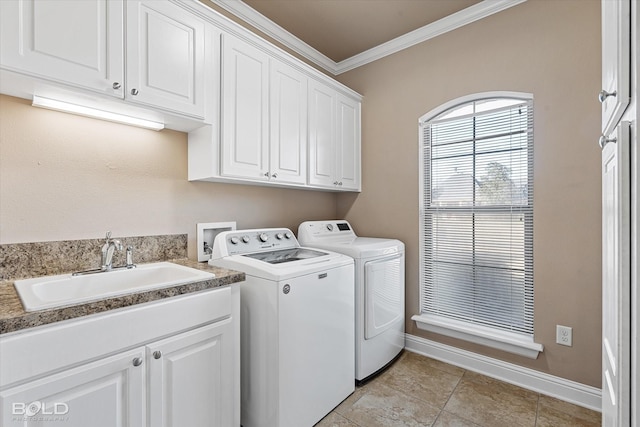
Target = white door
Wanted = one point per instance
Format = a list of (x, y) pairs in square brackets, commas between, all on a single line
[(191, 378), (616, 292), (383, 294), (316, 332), (288, 129), (165, 57), (322, 125), (105, 393), (347, 143), (616, 68), (245, 110), (79, 43)]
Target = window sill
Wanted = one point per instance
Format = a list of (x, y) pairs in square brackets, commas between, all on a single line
[(505, 341)]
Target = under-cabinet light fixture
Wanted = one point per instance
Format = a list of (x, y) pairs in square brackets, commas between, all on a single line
[(81, 110)]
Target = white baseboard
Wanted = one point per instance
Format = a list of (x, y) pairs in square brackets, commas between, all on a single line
[(550, 385)]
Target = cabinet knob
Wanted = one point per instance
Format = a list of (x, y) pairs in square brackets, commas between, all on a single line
[(157, 354), (275, 175), (134, 91), (603, 95), (137, 361), (266, 174), (604, 141), (340, 183), (335, 182), (116, 85)]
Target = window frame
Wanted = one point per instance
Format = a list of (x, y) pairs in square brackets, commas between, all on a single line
[(517, 343)]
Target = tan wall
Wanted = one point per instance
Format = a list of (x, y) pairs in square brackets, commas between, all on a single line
[(69, 177), (66, 177), (552, 50)]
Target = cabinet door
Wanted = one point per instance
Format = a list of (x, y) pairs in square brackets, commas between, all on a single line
[(288, 130), (616, 60), (347, 143), (165, 57), (79, 43), (245, 104), (105, 393), (191, 378), (616, 292), (322, 149)]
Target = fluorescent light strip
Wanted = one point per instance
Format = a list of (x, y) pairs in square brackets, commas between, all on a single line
[(67, 107)]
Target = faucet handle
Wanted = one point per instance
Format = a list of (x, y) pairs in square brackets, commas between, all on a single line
[(130, 263)]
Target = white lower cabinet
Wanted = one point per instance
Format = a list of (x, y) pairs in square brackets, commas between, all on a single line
[(190, 378), (188, 381), (104, 393)]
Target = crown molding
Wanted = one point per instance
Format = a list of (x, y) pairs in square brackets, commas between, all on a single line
[(446, 24), (441, 26), (276, 32)]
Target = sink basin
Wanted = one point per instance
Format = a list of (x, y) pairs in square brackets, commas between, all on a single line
[(63, 290)]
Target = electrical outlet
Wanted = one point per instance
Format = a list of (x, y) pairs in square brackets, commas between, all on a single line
[(564, 335)]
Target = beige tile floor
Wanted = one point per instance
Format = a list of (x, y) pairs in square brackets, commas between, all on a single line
[(418, 391)]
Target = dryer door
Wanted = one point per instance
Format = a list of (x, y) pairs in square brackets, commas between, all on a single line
[(383, 294)]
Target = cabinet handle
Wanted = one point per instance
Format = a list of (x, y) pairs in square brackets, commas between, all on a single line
[(603, 95), (157, 354), (116, 85), (137, 361), (134, 91), (604, 141)]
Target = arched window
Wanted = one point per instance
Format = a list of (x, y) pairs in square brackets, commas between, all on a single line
[(476, 239)]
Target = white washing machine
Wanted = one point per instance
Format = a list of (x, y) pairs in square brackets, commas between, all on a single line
[(297, 326), (379, 283)]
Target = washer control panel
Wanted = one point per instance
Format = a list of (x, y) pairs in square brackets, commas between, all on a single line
[(247, 241)]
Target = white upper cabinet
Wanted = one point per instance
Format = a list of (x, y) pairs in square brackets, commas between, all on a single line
[(348, 143), (322, 125), (165, 57), (245, 110), (334, 139), (288, 124), (79, 43), (616, 54), (84, 44)]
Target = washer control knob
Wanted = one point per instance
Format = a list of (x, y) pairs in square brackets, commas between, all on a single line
[(245, 239), (330, 227), (287, 235), (263, 237), (279, 236), (234, 240)]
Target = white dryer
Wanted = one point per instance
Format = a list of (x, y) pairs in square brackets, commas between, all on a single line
[(296, 326), (379, 284)]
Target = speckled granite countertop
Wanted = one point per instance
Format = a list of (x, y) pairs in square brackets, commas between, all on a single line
[(14, 318)]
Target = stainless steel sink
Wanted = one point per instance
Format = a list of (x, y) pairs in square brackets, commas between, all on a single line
[(64, 290)]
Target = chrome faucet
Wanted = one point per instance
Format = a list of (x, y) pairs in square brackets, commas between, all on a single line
[(108, 249), (106, 264)]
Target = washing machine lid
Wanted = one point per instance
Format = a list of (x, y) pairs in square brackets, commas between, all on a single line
[(286, 255), (269, 266)]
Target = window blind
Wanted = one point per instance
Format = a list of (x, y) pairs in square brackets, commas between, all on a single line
[(477, 214)]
